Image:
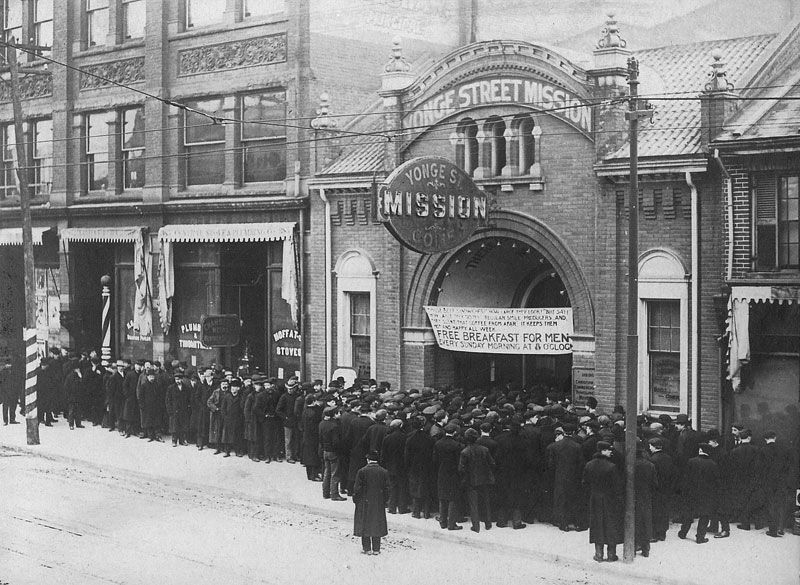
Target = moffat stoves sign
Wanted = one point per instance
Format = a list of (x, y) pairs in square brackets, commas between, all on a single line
[(430, 205)]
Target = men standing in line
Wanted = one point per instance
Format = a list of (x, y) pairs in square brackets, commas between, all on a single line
[(665, 486), (720, 524), (285, 411), (115, 396), (700, 490), (272, 426), (75, 390), (214, 404), (447, 451), (130, 411), (8, 395), (746, 479), (148, 396), (232, 412), (475, 465), (329, 440), (418, 459), (565, 461), (392, 459), (178, 402), (645, 484), (606, 491), (201, 417), (358, 452), (513, 474), (776, 466)]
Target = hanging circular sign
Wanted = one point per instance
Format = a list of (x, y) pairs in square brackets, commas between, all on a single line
[(430, 205)]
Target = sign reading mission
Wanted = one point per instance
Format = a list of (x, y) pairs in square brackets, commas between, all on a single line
[(430, 205)]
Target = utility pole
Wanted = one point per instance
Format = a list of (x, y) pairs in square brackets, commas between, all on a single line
[(29, 330), (631, 403)]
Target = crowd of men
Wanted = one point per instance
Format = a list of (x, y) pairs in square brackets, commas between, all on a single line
[(503, 457)]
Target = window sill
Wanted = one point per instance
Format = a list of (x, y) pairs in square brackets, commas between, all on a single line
[(95, 197), (509, 183), (104, 49), (221, 27), (767, 277), (223, 190)]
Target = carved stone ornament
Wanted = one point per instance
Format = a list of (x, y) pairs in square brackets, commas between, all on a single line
[(124, 71), (245, 53), (31, 86)]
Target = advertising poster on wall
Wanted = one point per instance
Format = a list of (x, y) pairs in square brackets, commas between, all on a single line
[(538, 331)]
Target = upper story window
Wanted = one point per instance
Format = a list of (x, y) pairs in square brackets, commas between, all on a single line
[(12, 21), (97, 150), (133, 19), (43, 22), (257, 8), (264, 137), (776, 221), (201, 13), (96, 22), (466, 144), (133, 147), (204, 143), (9, 174), (495, 156), (42, 180)]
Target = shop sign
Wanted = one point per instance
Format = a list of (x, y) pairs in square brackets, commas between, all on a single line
[(542, 331), (220, 330), (189, 336), (430, 205), (287, 343), (582, 385), (132, 334), (540, 95)]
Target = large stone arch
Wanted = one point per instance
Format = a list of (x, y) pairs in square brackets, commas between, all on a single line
[(526, 229)]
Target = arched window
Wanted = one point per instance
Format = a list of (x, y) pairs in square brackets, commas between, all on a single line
[(466, 144), (526, 136), (496, 153), (356, 281)]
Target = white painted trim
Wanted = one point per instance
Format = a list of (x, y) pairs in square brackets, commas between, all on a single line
[(354, 283)]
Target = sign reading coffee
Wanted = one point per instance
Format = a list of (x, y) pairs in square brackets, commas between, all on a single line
[(430, 205)]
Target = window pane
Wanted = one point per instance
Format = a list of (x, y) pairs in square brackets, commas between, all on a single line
[(9, 147), (263, 7), (44, 33), (43, 10), (134, 169), (204, 12), (269, 107), (665, 393), (205, 165), (200, 128), (43, 138), (264, 162), (12, 14), (133, 128), (134, 19), (97, 132), (97, 26)]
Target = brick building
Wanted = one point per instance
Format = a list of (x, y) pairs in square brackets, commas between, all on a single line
[(544, 137)]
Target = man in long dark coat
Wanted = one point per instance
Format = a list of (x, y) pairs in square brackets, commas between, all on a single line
[(272, 428), (312, 416), (74, 389), (476, 467), (447, 451), (251, 425), (513, 472), (776, 466), (130, 410), (177, 402), (418, 459), (665, 478), (565, 462), (720, 519), (216, 422), (604, 480), (358, 450), (645, 484), (200, 421), (148, 397), (700, 490), (370, 494), (393, 460), (232, 410), (746, 479), (115, 396)]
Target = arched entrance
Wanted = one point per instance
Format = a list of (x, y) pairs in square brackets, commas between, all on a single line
[(517, 262)]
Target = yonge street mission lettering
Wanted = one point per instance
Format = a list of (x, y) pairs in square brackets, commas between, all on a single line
[(491, 330), (537, 94)]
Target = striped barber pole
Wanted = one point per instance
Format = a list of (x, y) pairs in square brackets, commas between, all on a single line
[(105, 350), (31, 367)]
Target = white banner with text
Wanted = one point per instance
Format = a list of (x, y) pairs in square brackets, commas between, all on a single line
[(491, 330)]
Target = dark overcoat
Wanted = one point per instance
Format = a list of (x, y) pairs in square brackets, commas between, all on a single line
[(201, 392), (565, 462), (645, 483), (373, 438), (370, 494), (665, 486), (74, 388), (745, 478), (214, 405), (448, 482), (604, 482), (393, 452), (513, 469), (701, 486), (178, 403), (232, 411), (418, 459), (475, 465), (130, 410), (250, 422), (148, 403), (312, 416), (358, 450)]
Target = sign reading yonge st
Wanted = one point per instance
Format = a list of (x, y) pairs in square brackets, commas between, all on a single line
[(539, 95), (430, 205)]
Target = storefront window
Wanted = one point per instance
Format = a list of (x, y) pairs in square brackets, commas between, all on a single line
[(663, 348)]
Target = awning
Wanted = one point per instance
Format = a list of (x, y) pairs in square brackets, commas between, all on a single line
[(102, 234), (225, 232), (738, 322), (13, 236)]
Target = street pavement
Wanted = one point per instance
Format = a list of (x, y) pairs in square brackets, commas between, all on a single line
[(89, 506)]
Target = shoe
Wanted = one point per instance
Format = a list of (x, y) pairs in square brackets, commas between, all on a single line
[(71, 427), (174, 444), (612, 559), (681, 535), (376, 552), (240, 454), (217, 452), (722, 534), (14, 422), (773, 534), (501, 524), (645, 553), (488, 525), (702, 540), (79, 426), (47, 424), (519, 526), (416, 515), (227, 455), (267, 460), (781, 532), (456, 527), (291, 461), (475, 528), (338, 499), (743, 526), (598, 558), (151, 440), (366, 552)]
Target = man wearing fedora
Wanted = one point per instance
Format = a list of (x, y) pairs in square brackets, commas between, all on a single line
[(285, 411), (700, 490)]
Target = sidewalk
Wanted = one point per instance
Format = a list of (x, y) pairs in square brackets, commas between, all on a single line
[(745, 557)]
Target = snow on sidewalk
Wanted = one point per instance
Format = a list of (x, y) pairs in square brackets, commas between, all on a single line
[(745, 557)]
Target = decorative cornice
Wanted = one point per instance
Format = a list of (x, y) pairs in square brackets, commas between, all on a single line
[(32, 86), (103, 75), (233, 55)]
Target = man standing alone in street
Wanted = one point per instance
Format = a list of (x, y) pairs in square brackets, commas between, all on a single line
[(370, 494)]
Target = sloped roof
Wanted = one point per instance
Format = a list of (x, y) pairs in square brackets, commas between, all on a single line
[(682, 71), (366, 156)]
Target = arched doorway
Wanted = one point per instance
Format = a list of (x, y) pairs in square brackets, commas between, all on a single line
[(503, 272)]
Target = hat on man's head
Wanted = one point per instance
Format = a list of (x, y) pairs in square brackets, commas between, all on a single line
[(682, 419), (259, 378), (329, 411), (603, 445), (396, 422), (291, 382)]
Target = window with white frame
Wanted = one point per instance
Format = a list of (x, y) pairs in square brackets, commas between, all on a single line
[(200, 13), (132, 144), (42, 131), (663, 333), (204, 143), (776, 221), (9, 175), (133, 19), (356, 306), (43, 22), (97, 155), (96, 22)]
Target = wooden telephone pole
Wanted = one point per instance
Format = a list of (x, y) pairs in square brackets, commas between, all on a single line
[(29, 330)]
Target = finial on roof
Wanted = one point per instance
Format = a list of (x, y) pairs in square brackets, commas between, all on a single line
[(397, 64), (323, 120), (718, 80), (610, 35)]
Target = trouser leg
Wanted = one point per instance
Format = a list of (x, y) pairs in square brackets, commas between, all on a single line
[(376, 544), (702, 526), (287, 443), (474, 510), (366, 544)]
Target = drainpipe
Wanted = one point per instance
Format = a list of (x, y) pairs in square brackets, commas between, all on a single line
[(729, 193), (695, 304), (301, 247), (328, 300)]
